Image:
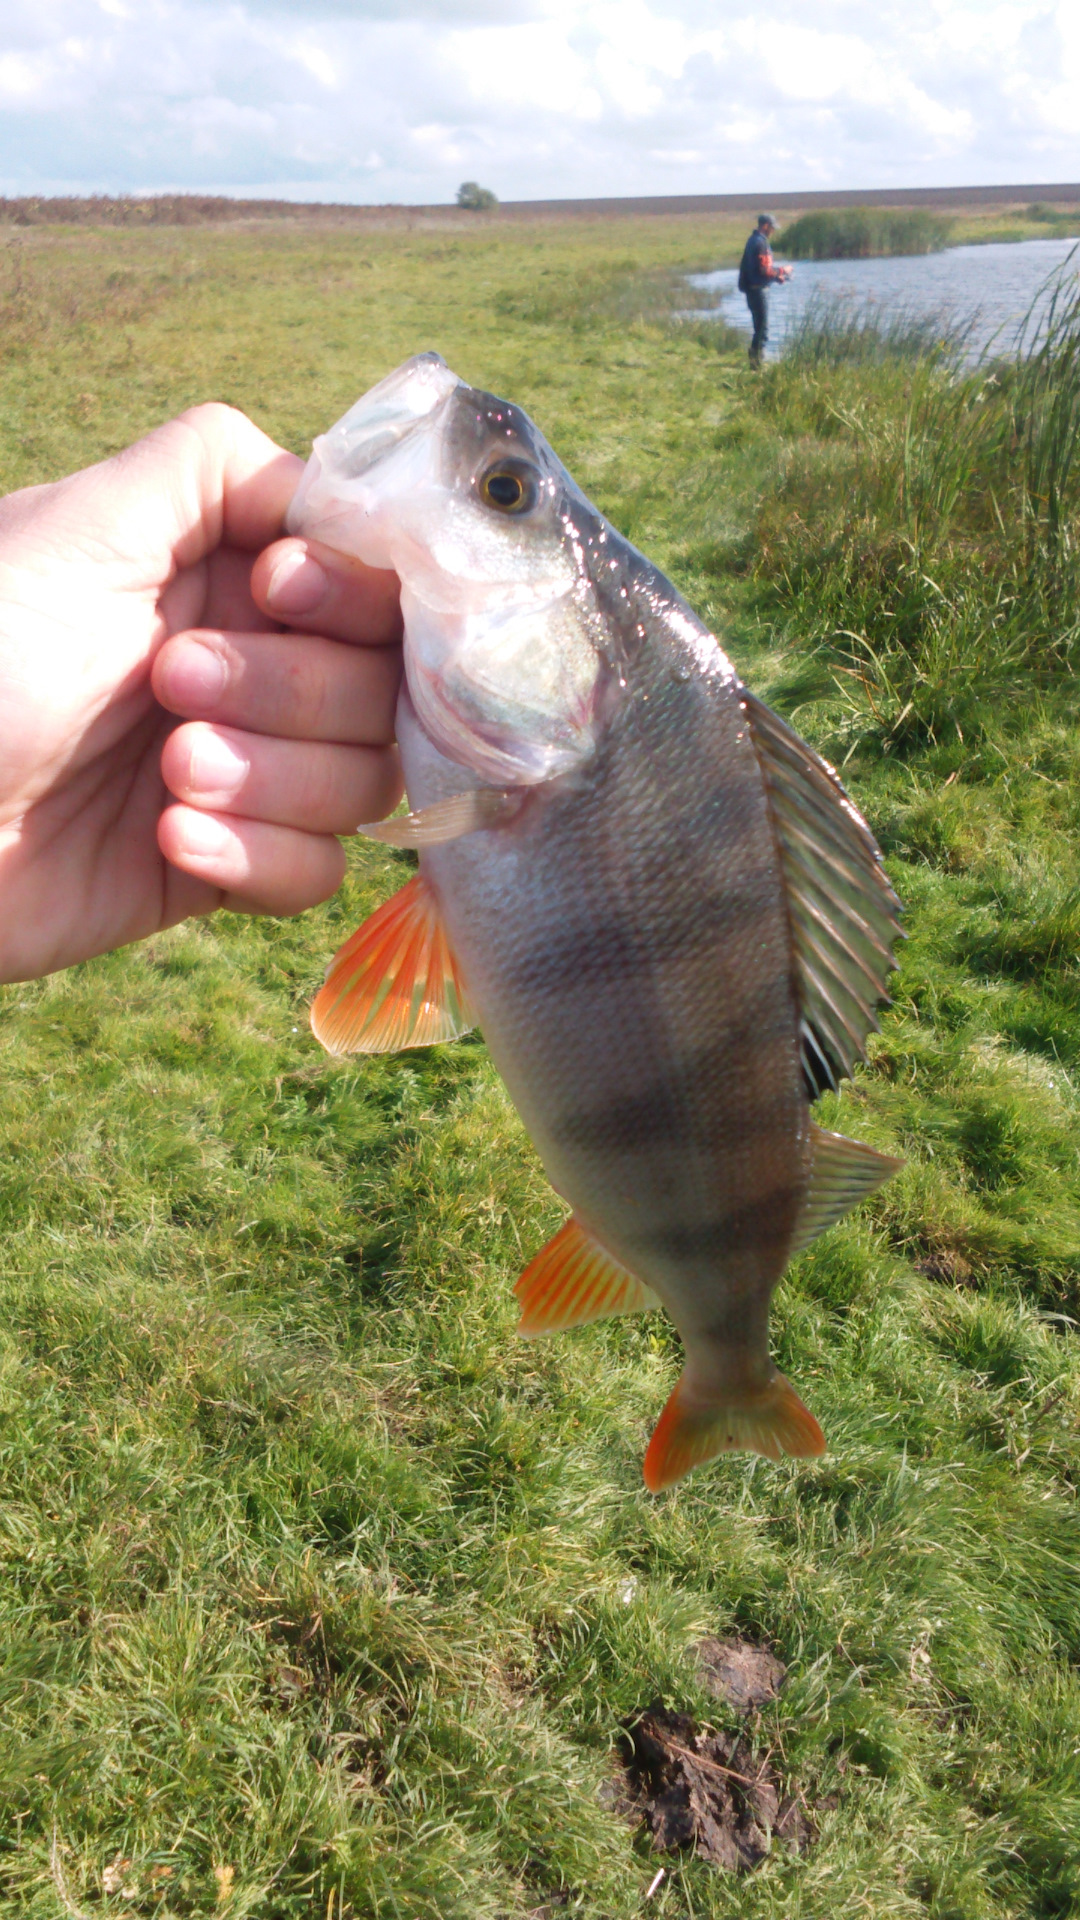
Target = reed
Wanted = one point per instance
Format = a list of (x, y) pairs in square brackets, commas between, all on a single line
[(930, 549), (859, 233), (835, 329), (1045, 404)]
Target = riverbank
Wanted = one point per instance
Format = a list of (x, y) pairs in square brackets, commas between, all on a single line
[(970, 300), (322, 1595)]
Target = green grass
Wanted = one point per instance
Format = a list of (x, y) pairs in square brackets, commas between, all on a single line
[(858, 233), (320, 1595), (1037, 222), (931, 536)]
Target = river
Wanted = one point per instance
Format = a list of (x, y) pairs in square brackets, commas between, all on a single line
[(986, 288)]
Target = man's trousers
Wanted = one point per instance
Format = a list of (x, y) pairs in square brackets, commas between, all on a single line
[(757, 301)]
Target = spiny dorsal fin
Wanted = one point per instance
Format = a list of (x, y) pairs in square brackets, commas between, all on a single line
[(843, 1172), (572, 1281), (844, 914), (395, 984)]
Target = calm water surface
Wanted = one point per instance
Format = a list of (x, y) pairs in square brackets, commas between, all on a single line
[(991, 286)]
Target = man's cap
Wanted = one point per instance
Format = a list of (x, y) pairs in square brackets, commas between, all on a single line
[(765, 220)]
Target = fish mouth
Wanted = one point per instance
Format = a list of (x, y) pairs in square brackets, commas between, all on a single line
[(387, 415)]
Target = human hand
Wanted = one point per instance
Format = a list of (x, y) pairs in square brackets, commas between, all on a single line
[(128, 597)]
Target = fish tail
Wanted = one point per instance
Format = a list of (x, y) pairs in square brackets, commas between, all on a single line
[(700, 1422)]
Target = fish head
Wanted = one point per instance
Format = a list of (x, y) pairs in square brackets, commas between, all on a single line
[(374, 461), (507, 650)]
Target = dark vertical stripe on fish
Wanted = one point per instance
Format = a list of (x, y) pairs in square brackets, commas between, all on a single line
[(668, 1110), (613, 949), (766, 1221)]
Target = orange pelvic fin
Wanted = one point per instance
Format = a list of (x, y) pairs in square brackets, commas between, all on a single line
[(395, 984), (572, 1281), (693, 1428)]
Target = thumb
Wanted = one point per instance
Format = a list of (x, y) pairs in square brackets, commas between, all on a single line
[(164, 503)]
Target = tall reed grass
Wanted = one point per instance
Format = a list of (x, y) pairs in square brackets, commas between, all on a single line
[(858, 233), (928, 542), (830, 330), (1046, 426)]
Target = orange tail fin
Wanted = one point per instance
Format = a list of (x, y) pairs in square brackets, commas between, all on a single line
[(694, 1428)]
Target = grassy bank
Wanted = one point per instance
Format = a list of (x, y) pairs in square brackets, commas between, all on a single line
[(1033, 222), (851, 233), (320, 1596), (937, 540)]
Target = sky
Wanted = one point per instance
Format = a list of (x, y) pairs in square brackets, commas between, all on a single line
[(402, 100)]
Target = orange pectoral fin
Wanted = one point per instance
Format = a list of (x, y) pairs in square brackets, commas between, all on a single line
[(572, 1281), (395, 984), (693, 1429), (449, 819)]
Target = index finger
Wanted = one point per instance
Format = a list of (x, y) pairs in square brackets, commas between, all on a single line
[(209, 475), (318, 590), (167, 502)]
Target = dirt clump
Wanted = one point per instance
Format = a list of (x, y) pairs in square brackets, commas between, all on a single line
[(710, 1792), (737, 1671)]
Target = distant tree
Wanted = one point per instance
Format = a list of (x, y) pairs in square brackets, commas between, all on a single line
[(476, 198)]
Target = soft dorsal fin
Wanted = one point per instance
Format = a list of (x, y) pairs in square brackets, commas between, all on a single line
[(842, 1173), (572, 1281), (395, 984), (844, 914)]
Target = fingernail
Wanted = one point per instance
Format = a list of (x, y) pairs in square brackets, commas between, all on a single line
[(204, 836), (193, 677), (297, 584), (216, 769)]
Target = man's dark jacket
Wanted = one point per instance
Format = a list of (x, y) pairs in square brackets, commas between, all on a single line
[(756, 271)]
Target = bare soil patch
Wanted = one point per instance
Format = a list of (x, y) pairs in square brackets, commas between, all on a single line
[(745, 1675), (711, 1793), (715, 1793)]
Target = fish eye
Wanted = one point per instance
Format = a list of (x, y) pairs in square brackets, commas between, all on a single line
[(509, 487)]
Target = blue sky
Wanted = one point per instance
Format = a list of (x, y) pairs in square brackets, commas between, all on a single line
[(372, 101)]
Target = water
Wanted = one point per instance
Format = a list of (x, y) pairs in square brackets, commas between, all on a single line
[(991, 287)]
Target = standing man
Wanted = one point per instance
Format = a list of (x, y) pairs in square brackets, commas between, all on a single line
[(756, 274)]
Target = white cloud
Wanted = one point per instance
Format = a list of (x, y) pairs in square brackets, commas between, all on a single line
[(401, 99), (318, 62), (808, 65), (20, 78), (530, 65)]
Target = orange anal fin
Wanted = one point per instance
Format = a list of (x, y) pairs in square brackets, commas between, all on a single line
[(693, 1429), (395, 983), (573, 1281)]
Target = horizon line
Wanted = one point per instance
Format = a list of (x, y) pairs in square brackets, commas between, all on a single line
[(1061, 191)]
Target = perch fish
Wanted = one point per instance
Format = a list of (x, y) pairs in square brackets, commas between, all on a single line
[(659, 904)]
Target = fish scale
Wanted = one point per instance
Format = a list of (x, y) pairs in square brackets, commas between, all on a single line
[(657, 901)]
